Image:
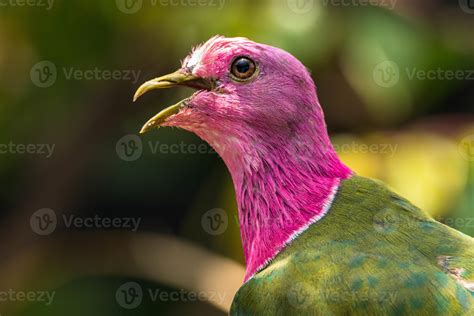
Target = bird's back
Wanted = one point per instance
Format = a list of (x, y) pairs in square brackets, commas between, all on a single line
[(374, 253)]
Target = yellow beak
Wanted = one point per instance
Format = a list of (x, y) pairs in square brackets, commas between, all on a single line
[(177, 78)]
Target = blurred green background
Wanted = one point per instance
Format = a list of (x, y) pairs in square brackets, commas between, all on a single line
[(396, 81)]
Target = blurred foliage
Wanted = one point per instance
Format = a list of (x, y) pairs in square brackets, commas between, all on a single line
[(96, 299), (424, 121)]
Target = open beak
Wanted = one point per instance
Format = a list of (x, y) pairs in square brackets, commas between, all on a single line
[(177, 78)]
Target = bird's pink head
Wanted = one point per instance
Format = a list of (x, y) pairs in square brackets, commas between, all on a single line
[(253, 100), (257, 106), (256, 87)]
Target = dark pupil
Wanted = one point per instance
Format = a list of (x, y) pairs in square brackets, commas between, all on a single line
[(242, 66)]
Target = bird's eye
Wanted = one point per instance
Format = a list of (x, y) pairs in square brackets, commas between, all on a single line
[(243, 68)]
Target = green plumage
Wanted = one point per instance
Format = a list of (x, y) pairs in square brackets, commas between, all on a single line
[(374, 253)]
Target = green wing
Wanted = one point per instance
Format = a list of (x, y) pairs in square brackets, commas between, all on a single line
[(373, 254)]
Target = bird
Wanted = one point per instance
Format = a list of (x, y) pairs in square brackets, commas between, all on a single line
[(317, 238)]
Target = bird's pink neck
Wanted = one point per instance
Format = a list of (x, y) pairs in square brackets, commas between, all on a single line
[(281, 187), (273, 213), (277, 202)]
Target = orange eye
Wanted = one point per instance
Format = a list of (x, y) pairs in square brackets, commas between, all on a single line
[(243, 68)]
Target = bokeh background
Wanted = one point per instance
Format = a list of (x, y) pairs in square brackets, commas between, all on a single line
[(396, 80)]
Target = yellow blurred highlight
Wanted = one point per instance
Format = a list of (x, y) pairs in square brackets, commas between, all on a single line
[(425, 168)]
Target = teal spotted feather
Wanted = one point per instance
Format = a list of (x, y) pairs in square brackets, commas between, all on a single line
[(374, 253)]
